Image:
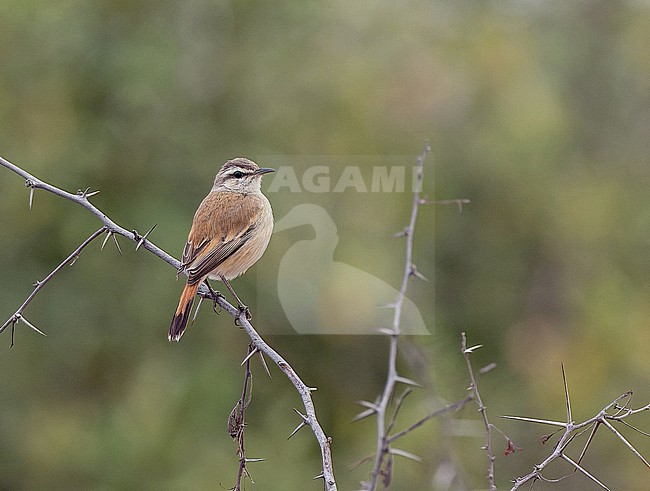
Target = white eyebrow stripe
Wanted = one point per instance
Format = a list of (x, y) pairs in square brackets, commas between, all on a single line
[(237, 169)]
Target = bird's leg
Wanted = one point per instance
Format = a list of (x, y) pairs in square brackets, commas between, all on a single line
[(215, 294), (242, 308)]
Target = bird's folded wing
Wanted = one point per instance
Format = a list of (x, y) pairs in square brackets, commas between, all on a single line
[(211, 254), (191, 252), (222, 224)]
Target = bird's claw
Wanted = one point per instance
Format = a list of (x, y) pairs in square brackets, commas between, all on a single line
[(243, 309)]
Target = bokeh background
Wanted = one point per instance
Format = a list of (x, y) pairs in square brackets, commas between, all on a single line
[(538, 111)]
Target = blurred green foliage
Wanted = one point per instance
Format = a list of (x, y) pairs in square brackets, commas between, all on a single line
[(537, 111)]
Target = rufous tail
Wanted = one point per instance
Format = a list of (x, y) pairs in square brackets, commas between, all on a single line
[(179, 322)]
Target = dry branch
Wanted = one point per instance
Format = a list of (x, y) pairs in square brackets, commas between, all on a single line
[(237, 421), (382, 467), (621, 411), (383, 459), (473, 388), (112, 229), (70, 260)]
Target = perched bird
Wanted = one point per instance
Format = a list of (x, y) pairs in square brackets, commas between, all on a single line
[(230, 232)]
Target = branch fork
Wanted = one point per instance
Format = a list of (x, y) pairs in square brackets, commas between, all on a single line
[(571, 430), (383, 460), (112, 229)]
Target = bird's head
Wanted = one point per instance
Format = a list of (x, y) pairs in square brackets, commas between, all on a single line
[(240, 175)]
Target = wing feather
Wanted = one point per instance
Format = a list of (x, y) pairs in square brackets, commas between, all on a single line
[(221, 226)]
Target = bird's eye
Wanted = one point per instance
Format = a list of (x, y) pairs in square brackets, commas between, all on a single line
[(238, 174)]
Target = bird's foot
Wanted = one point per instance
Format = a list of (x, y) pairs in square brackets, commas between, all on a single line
[(215, 305), (216, 295), (243, 309)]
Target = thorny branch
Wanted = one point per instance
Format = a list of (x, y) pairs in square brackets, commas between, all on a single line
[(81, 198), (616, 411), (70, 260), (383, 460), (237, 421), (473, 388), (112, 228), (450, 408)]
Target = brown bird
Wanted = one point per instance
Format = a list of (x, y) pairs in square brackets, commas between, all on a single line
[(230, 232)]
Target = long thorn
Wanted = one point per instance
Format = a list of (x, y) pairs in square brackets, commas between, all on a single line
[(32, 326), (117, 244), (627, 444), (264, 364), (249, 355), (301, 425), (108, 236), (304, 418), (566, 396), (584, 471), (589, 440), (196, 311), (144, 237), (535, 420)]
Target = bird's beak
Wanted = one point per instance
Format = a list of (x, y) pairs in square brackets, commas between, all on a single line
[(263, 170)]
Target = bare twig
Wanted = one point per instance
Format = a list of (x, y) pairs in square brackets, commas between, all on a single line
[(303, 390), (81, 198), (450, 408), (237, 420), (458, 202), (383, 460), (482, 409), (571, 430), (18, 315), (111, 227)]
